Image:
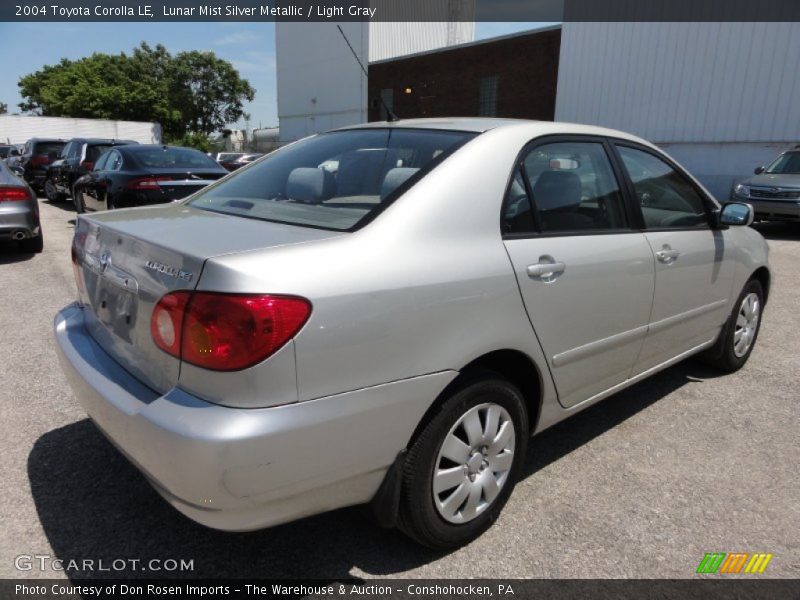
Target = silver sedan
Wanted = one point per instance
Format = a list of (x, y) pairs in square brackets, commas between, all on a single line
[(19, 211), (386, 313)]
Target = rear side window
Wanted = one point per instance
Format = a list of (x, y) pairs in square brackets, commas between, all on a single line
[(333, 180), (173, 158), (564, 187), (95, 152), (666, 197), (101, 162), (114, 161), (48, 147)]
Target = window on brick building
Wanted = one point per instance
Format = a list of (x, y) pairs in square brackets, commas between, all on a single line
[(487, 105)]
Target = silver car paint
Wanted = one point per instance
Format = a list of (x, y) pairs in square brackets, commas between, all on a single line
[(20, 217), (399, 308)]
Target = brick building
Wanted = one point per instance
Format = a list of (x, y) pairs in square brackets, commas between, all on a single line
[(511, 76)]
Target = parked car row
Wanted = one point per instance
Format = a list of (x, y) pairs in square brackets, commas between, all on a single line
[(96, 174)]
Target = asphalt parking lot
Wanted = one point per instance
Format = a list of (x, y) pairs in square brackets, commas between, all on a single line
[(641, 485)]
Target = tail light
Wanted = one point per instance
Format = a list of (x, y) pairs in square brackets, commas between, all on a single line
[(226, 332), (14, 193), (88, 165), (146, 183), (38, 161)]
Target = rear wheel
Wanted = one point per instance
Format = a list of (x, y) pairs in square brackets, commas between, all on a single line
[(51, 193), (77, 199), (33, 245), (738, 337), (462, 467)]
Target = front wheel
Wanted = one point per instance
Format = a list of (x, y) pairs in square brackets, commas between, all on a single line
[(738, 337), (462, 467)]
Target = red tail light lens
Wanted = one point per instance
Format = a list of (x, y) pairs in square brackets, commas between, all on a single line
[(88, 165), (13, 193), (38, 161), (166, 324), (146, 183), (226, 332)]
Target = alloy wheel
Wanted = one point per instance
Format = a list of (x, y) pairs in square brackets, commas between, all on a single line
[(746, 324)]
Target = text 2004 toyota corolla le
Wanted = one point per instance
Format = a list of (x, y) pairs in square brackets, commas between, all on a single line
[(386, 313)]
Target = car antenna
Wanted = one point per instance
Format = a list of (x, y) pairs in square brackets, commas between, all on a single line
[(390, 116)]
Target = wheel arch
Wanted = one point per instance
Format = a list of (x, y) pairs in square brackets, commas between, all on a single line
[(763, 276), (514, 365)]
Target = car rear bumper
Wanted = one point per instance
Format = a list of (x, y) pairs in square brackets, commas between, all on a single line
[(18, 217), (244, 469)]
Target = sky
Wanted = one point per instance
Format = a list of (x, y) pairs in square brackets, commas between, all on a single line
[(250, 47)]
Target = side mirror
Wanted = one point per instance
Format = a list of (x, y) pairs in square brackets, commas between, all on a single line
[(759, 170), (736, 214)]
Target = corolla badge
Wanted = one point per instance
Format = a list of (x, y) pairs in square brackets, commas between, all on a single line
[(160, 267)]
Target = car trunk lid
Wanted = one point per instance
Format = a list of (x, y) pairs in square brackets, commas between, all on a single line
[(126, 260)]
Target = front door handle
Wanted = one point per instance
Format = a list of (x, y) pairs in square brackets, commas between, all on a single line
[(546, 270)]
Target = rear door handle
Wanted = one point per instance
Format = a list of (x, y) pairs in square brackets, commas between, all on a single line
[(667, 256), (546, 269)]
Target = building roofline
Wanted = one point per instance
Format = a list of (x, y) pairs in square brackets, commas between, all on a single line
[(499, 38)]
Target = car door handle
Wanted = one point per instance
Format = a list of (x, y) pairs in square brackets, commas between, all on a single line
[(546, 269), (667, 256)]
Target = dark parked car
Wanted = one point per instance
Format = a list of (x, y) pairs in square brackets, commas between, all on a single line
[(19, 211), (36, 157), (241, 161), (5, 150), (138, 175), (228, 158), (76, 160)]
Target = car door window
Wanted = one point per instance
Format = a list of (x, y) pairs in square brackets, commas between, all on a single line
[(667, 199), (564, 187)]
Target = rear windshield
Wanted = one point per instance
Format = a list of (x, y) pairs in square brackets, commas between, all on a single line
[(95, 152), (173, 158), (787, 164), (333, 180), (48, 147), (228, 156)]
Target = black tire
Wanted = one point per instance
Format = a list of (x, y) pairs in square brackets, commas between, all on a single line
[(77, 200), (32, 245), (50, 192), (419, 517), (723, 355)]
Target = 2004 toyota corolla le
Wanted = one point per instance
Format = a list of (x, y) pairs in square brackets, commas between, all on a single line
[(386, 313)]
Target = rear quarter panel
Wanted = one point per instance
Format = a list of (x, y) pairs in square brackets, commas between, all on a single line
[(427, 287)]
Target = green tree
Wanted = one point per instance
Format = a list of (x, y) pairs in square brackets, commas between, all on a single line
[(189, 94), (3, 108)]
